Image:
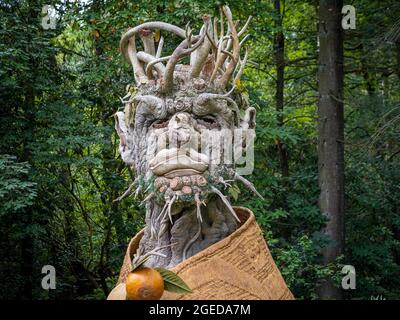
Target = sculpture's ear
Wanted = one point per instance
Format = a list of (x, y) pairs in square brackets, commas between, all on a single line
[(121, 129), (249, 121), (126, 143), (125, 148)]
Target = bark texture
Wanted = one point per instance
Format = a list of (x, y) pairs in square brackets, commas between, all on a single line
[(330, 133), (280, 82)]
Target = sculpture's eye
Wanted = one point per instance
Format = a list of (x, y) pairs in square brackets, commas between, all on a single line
[(158, 124), (208, 121)]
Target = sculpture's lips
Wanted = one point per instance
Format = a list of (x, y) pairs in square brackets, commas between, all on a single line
[(178, 160)]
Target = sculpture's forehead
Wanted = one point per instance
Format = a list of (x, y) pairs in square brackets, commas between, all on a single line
[(184, 85), (198, 102)]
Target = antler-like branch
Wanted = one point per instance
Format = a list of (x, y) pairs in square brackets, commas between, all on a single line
[(226, 51), (151, 26), (128, 46), (188, 34), (246, 25), (242, 64), (138, 71), (181, 51), (227, 60), (236, 49), (148, 58), (148, 41), (150, 65), (220, 56), (160, 47), (201, 54)]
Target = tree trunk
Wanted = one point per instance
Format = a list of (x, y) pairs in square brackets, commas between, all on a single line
[(279, 53), (398, 58), (368, 78), (27, 241), (331, 134)]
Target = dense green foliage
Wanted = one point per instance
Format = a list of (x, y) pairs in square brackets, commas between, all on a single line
[(60, 170)]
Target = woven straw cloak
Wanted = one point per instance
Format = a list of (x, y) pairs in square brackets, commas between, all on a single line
[(239, 267)]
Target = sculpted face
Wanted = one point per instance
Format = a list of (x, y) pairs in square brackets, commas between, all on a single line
[(176, 142), (177, 132)]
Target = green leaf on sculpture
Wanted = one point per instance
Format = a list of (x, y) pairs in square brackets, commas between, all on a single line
[(172, 282), (234, 192)]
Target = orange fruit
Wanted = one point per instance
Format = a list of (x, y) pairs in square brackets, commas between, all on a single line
[(144, 284)]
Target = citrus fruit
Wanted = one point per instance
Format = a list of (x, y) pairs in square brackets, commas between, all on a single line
[(144, 284)]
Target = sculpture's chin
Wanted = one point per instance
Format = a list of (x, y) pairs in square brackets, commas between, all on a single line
[(181, 183)]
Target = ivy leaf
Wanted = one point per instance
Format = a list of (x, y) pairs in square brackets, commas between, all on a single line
[(172, 282), (139, 263), (234, 192)]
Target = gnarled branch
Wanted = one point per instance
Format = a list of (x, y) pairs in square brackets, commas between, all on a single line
[(180, 52)]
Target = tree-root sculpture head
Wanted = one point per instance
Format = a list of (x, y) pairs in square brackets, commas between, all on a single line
[(181, 131)]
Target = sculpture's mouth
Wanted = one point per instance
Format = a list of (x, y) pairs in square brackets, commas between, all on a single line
[(176, 162)]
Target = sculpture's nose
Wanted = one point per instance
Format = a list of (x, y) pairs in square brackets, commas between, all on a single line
[(180, 120), (180, 128)]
